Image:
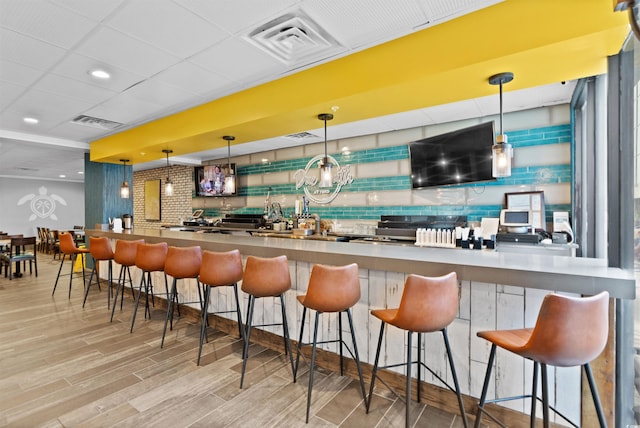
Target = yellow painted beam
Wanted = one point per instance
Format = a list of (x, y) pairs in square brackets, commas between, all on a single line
[(541, 42)]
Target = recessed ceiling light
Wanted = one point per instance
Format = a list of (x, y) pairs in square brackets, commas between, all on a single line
[(31, 120), (80, 172), (99, 74), (62, 176)]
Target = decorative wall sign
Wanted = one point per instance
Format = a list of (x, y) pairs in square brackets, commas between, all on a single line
[(307, 178), (42, 205), (152, 200)]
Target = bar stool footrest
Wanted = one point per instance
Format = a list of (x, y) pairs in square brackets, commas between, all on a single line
[(522, 397)]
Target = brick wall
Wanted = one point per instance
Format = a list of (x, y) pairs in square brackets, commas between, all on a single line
[(172, 208)]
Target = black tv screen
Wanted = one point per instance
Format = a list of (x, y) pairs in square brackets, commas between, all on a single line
[(212, 180), (461, 156)]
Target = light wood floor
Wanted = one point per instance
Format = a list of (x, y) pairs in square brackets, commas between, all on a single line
[(62, 365)]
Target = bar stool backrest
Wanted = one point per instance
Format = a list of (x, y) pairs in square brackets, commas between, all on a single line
[(151, 257), (100, 248), (183, 262), (220, 269), (333, 288), (126, 251), (569, 331), (428, 303), (265, 277), (67, 244)]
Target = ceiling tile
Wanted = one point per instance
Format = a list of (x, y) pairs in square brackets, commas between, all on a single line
[(166, 26), (239, 20), (48, 107), (74, 131), (77, 67), (73, 89), (124, 109), (128, 53), (248, 61), (28, 51), (96, 10), (359, 23), (194, 79), (18, 73), (9, 92), (158, 93), (41, 20)]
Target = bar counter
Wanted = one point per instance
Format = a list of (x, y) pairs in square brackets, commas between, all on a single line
[(498, 290), (558, 273)]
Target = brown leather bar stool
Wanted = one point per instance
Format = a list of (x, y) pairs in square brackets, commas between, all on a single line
[(265, 277), (219, 270), (331, 289), (149, 258), (100, 250), (569, 332), (427, 305), (68, 248), (125, 256), (181, 263)]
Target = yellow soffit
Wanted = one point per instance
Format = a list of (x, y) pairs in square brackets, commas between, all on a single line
[(541, 42)]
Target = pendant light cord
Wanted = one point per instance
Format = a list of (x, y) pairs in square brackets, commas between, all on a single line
[(501, 113)]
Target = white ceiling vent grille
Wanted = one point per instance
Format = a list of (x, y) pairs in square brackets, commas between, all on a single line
[(294, 38), (96, 122), (302, 136)]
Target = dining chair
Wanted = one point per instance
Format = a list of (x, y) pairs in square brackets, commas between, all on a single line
[(19, 252)]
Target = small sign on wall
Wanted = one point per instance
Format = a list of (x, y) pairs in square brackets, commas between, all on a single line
[(152, 200)]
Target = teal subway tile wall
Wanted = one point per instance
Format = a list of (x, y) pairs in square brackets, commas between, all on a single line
[(382, 184)]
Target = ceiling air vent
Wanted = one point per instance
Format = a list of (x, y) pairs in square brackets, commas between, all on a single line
[(96, 122), (302, 136), (294, 38)]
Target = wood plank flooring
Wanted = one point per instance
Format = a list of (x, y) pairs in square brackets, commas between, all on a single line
[(65, 366)]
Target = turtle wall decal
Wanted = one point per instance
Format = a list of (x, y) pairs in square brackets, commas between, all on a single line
[(42, 205)]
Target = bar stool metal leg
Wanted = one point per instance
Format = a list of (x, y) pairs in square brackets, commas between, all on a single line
[(375, 367), (485, 388), (247, 336), (357, 356), (313, 363), (455, 377), (594, 394), (124, 270), (287, 339)]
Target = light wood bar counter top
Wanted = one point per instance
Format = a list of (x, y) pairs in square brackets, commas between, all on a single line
[(563, 274)]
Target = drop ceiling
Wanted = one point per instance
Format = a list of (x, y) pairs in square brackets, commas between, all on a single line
[(186, 72)]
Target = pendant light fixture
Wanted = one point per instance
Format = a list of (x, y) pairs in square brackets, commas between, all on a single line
[(230, 179), (326, 179), (168, 185), (124, 189), (501, 150)]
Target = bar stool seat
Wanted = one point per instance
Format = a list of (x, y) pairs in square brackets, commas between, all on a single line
[(427, 305), (181, 263), (125, 256), (100, 250), (569, 332), (266, 277), (331, 289), (150, 258), (219, 269), (68, 248)]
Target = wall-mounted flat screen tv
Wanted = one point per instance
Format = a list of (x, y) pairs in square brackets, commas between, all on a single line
[(461, 156), (210, 180)]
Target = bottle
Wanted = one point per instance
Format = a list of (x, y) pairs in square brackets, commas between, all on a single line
[(298, 206)]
